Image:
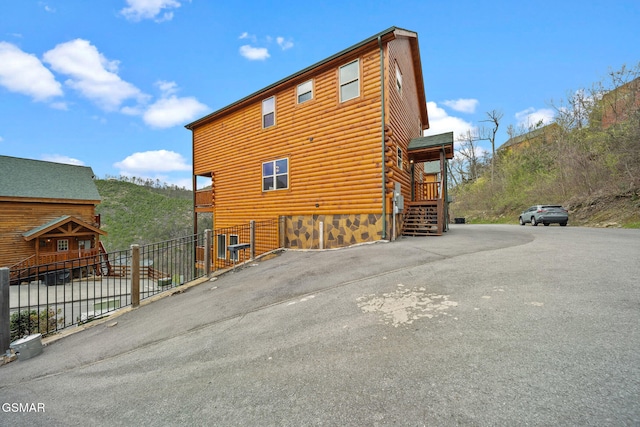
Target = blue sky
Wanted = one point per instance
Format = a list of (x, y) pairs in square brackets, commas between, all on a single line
[(110, 84)]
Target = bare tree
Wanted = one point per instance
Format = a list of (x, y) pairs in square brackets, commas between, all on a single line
[(489, 134), (467, 165)]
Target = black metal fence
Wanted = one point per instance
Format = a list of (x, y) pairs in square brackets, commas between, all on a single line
[(46, 298)]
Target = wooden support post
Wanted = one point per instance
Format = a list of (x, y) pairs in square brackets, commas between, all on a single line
[(252, 239), (207, 251), (5, 316), (135, 275)]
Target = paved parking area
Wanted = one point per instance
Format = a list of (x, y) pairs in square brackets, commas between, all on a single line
[(486, 325)]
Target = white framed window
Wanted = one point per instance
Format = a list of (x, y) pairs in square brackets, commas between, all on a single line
[(269, 112), (398, 79), (63, 245), (399, 158), (221, 240), (350, 81), (275, 175), (304, 91), (233, 240)]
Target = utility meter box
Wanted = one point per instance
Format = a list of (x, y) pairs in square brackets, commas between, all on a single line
[(398, 198)]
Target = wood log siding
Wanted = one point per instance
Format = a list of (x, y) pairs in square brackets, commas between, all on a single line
[(19, 217), (334, 151), (403, 110)]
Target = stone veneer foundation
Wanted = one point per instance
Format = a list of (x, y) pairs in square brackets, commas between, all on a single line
[(303, 231)]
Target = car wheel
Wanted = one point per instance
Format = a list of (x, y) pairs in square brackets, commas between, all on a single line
[(521, 221), (546, 224), (562, 224), (533, 221)]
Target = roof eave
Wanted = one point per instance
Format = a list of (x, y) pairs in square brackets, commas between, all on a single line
[(387, 34)]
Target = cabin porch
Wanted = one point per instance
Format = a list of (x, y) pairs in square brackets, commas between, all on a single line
[(427, 212)]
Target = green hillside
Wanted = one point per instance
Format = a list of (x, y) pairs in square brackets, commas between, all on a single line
[(590, 164), (143, 214)]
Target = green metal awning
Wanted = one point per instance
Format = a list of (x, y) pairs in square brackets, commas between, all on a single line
[(428, 148)]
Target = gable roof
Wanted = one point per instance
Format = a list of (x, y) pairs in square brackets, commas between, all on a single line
[(26, 178), (428, 148), (58, 222), (384, 36)]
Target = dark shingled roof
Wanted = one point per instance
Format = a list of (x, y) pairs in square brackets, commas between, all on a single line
[(46, 180), (428, 148)]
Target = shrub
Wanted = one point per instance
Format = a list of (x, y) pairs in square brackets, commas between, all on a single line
[(29, 322)]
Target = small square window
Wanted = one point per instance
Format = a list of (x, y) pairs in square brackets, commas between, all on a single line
[(63, 245), (275, 175), (350, 81), (305, 91), (268, 112)]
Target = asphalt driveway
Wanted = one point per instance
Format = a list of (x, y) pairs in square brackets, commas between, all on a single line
[(486, 325)]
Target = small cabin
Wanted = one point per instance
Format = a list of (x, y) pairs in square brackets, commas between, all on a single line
[(47, 213)]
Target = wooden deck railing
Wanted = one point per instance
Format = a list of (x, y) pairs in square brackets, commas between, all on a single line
[(427, 191), (204, 198), (54, 257)]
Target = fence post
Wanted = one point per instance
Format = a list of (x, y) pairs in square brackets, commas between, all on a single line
[(207, 252), (281, 231), (5, 316), (252, 239), (135, 275)]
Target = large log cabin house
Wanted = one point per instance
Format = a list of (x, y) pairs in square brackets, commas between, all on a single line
[(335, 150), (47, 214)]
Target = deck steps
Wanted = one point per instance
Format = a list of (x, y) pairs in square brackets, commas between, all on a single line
[(421, 219)]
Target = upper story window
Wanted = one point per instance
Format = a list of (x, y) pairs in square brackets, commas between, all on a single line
[(275, 175), (350, 81), (398, 79), (399, 158), (305, 91), (268, 112)]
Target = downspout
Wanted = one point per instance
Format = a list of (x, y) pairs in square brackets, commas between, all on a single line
[(384, 174)]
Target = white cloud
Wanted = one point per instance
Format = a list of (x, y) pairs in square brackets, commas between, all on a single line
[(1, 139), (247, 36), (167, 88), (441, 122), (284, 44), (462, 105), (60, 106), (59, 158), (171, 110), (254, 53), (531, 117), (149, 9), (153, 161), (23, 73), (92, 74)]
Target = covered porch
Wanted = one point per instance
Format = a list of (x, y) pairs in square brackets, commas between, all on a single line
[(63, 239), (427, 213)]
